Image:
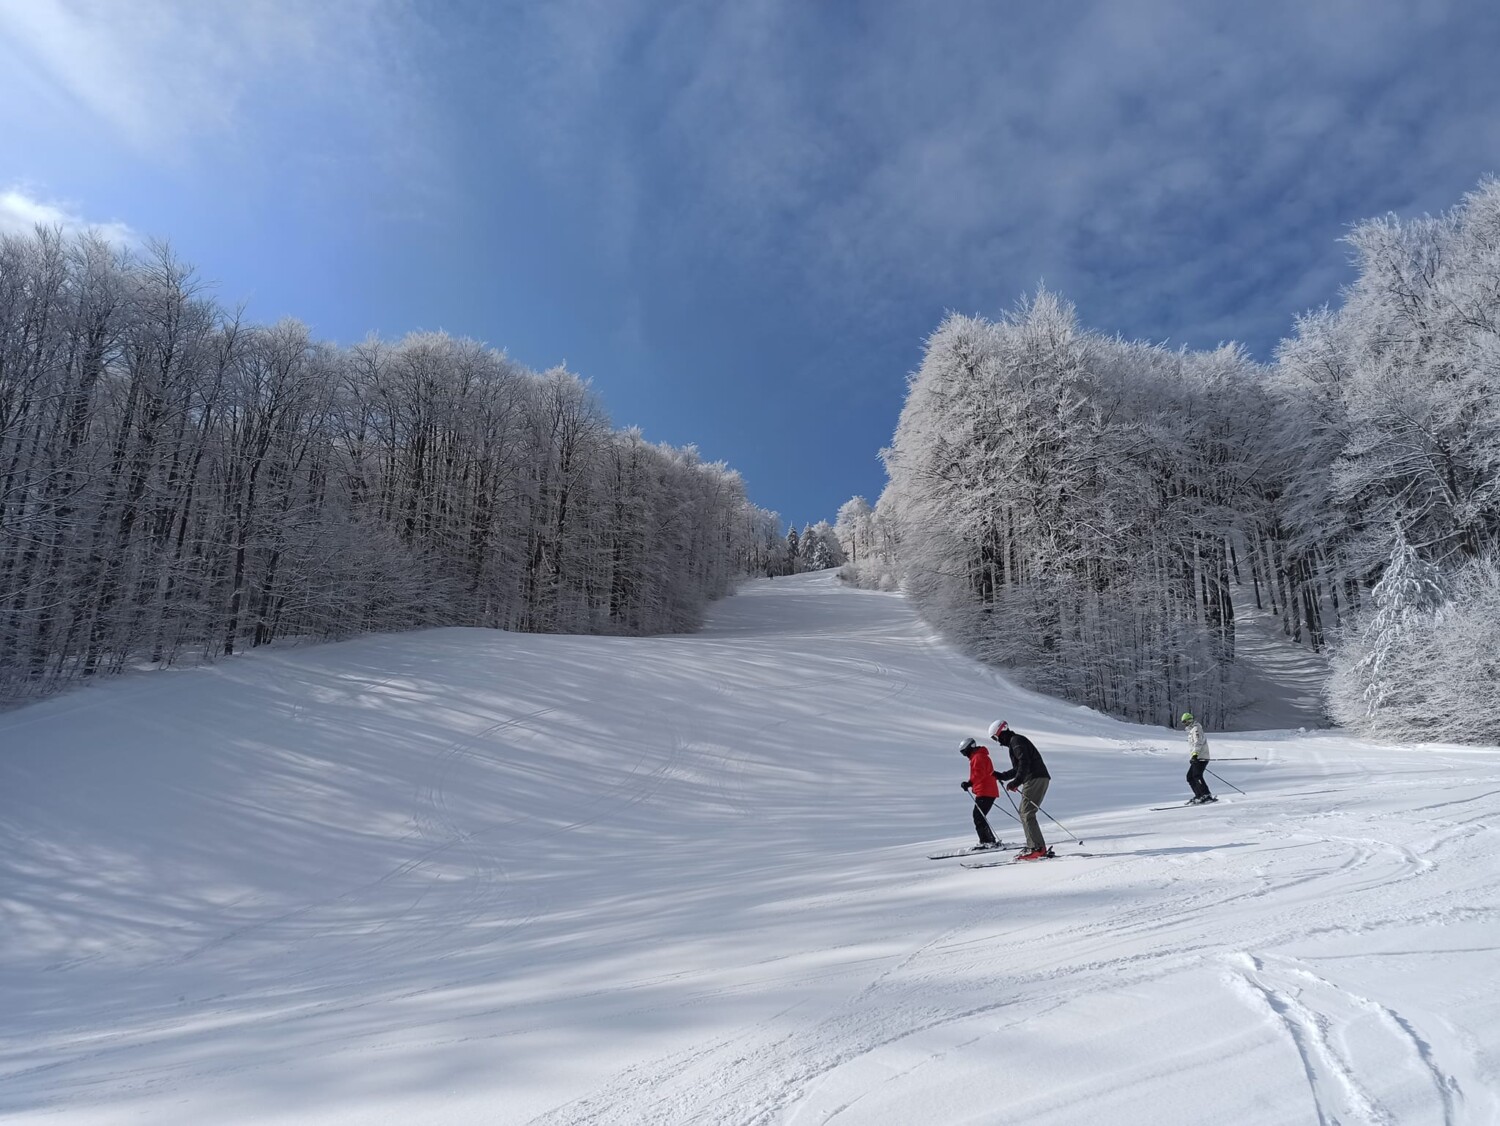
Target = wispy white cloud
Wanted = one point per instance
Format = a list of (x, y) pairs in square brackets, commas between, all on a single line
[(161, 74), (1175, 166), (21, 213), (1162, 160), (153, 71)]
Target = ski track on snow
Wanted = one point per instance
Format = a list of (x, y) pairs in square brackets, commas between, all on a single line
[(1320, 1019), (730, 1083)]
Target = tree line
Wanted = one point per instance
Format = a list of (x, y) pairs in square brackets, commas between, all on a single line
[(178, 483), (1086, 510)]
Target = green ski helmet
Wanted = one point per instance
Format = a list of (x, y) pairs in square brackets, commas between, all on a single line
[(1187, 717)]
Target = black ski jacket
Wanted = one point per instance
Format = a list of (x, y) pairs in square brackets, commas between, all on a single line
[(1025, 760)]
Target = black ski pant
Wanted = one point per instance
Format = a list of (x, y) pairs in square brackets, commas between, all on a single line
[(1195, 777), (981, 820)]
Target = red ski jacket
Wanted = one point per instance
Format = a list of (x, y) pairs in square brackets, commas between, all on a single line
[(982, 782)]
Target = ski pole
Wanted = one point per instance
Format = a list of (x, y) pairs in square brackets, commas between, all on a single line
[(1061, 826), (1013, 816), (985, 818), (1014, 812), (1241, 758), (1231, 785), (1054, 820)]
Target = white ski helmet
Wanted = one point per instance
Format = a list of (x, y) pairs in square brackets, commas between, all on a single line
[(998, 726)]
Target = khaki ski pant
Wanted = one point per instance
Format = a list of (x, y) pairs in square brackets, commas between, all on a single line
[(1032, 794)]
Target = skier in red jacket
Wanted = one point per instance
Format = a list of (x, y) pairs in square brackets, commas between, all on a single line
[(982, 787)]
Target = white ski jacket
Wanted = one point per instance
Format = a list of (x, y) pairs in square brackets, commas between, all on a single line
[(1197, 741)]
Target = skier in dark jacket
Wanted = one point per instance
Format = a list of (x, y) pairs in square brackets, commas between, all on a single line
[(1028, 774), (982, 787)]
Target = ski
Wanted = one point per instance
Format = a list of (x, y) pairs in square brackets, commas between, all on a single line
[(970, 851), (1003, 861), (1181, 805)]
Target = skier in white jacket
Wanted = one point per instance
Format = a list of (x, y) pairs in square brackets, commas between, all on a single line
[(1198, 744)]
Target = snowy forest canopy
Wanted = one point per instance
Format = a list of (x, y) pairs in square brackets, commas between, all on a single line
[(178, 482), (1085, 510)]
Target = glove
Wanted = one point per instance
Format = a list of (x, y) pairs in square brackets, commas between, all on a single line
[(1013, 788), (1193, 758), (964, 785)]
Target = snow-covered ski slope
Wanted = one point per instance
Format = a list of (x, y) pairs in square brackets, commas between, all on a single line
[(471, 877)]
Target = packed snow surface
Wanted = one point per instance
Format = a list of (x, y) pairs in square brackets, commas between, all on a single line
[(473, 877)]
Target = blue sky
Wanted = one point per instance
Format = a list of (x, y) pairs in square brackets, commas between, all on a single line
[(740, 220)]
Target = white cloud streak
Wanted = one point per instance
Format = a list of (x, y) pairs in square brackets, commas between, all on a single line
[(160, 74), (1166, 163), (968, 148), (21, 214)]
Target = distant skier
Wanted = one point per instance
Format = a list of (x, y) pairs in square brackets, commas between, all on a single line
[(1028, 774), (982, 787), (1198, 744)]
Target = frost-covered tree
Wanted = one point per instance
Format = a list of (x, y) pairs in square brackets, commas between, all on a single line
[(175, 483), (1065, 503), (1395, 390), (1380, 673), (1090, 511), (868, 539), (855, 529), (794, 563), (1404, 430), (1464, 701), (820, 546)]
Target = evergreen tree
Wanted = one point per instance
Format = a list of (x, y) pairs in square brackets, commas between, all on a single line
[(1380, 676)]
